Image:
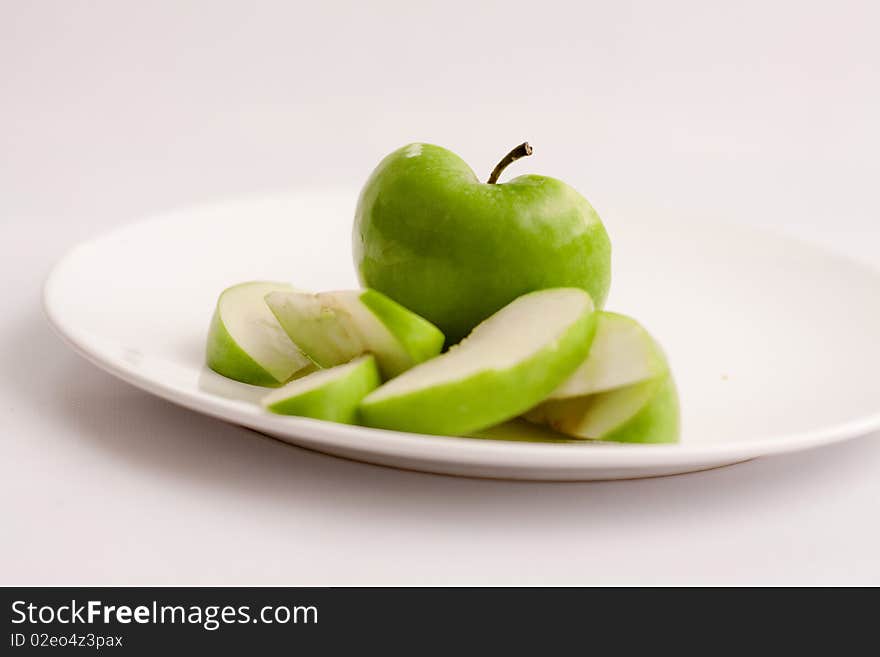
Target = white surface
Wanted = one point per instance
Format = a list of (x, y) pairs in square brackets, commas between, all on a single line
[(759, 111), (746, 365)]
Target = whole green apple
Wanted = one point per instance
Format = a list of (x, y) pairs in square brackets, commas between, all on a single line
[(431, 236)]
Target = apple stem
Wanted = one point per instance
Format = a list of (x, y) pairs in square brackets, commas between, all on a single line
[(522, 150)]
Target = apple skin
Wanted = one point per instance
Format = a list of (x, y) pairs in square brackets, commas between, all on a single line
[(431, 236), (657, 422)]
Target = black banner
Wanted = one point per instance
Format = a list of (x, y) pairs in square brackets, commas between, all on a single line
[(409, 620)]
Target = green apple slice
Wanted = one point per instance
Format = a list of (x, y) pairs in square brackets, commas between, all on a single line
[(519, 430), (645, 412), (246, 342), (334, 327), (508, 363), (332, 394), (623, 353)]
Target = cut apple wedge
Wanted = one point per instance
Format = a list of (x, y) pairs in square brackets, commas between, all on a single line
[(332, 394), (331, 328), (246, 342), (645, 412), (508, 363), (521, 431), (623, 353)]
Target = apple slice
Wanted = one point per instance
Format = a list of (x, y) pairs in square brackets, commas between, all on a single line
[(246, 342), (332, 394), (333, 327), (508, 363), (645, 412), (520, 431), (623, 353)]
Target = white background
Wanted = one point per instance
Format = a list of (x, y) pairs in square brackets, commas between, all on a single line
[(760, 112)]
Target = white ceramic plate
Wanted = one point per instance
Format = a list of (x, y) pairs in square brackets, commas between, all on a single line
[(775, 344)]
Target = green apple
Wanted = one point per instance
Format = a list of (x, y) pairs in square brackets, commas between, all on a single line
[(645, 412), (454, 250), (623, 353), (331, 328), (246, 342), (509, 363), (332, 394)]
